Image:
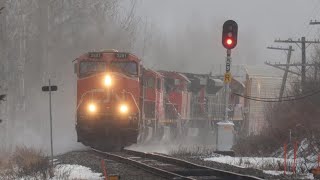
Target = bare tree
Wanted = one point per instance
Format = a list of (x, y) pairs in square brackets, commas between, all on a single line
[(39, 39)]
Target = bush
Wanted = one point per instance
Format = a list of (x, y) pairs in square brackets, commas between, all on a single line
[(30, 162), (257, 145), (4, 158)]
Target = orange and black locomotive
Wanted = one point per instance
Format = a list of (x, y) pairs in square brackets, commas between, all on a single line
[(108, 91)]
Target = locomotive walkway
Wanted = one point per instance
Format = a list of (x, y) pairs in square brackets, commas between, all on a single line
[(169, 167)]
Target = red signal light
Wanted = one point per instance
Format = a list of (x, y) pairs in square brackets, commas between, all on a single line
[(229, 42)]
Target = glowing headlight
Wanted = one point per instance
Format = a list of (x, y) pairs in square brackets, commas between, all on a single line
[(107, 81), (123, 108), (92, 108)]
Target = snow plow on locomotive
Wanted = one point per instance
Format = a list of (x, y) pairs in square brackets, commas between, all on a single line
[(108, 91)]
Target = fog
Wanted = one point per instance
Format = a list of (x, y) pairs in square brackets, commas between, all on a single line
[(182, 35), (36, 48), (198, 26)]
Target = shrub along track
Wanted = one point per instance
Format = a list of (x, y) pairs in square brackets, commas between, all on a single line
[(169, 167)]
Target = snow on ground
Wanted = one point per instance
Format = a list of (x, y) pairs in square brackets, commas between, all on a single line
[(67, 171), (303, 176), (75, 172), (269, 165), (248, 162)]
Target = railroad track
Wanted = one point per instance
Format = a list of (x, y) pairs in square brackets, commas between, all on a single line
[(171, 168)]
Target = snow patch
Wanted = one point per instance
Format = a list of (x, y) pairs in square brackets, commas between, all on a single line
[(75, 172), (247, 162), (67, 171)]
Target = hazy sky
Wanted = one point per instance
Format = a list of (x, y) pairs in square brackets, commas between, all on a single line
[(260, 22)]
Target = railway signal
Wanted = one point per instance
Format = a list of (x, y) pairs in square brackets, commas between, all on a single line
[(230, 34), (49, 89), (225, 128)]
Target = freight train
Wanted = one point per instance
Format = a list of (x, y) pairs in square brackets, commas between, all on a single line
[(120, 102)]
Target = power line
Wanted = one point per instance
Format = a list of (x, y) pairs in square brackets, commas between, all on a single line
[(315, 22), (312, 14), (303, 47), (285, 75), (286, 97), (282, 100)]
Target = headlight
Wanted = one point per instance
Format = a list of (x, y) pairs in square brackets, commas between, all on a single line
[(92, 108), (123, 108), (107, 81)]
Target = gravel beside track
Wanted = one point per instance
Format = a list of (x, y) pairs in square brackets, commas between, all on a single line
[(170, 167), (91, 160)]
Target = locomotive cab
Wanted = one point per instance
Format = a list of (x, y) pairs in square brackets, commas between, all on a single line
[(107, 99)]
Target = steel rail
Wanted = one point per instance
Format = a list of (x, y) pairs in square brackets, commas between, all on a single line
[(147, 168), (195, 168)]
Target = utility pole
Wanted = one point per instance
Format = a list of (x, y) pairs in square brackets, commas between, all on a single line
[(303, 47), (285, 75), (315, 22)]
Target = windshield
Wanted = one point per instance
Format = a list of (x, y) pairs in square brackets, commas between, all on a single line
[(127, 67), (91, 67)]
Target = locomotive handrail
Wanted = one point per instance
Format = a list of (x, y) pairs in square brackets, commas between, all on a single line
[(169, 102), (134, 100), (93, 90)]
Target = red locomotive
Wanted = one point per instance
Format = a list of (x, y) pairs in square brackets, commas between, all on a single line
[(108, 91)]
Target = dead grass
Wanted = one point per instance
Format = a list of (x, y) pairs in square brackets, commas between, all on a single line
[(4, 158), (274, 165), (191, 151), (24, 162), (30, 162)]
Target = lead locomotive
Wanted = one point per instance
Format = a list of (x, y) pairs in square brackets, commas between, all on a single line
[(108, 90)]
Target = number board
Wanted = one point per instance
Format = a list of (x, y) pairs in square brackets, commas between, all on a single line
[(228, 63), (228, 67), (95, 55), (122, 55)]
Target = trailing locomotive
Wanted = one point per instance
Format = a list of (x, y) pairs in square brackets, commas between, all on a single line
[(108, 91)]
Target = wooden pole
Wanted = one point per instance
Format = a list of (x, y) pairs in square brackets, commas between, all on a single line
[(295, 158), (285, 157)]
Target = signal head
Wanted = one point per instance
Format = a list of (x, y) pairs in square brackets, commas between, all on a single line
[(230, 34)]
